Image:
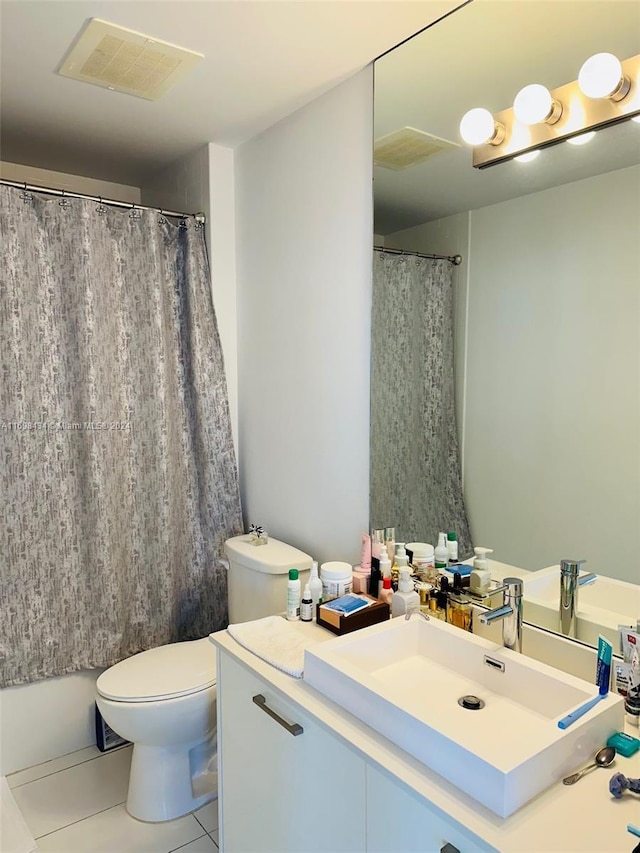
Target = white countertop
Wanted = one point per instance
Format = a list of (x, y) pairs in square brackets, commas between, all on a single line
[(583, 818)]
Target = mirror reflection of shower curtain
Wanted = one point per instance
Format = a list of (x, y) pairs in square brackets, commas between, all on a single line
[(415, 462), (117, 467)]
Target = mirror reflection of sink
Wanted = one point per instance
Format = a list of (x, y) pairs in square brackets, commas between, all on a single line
[(405, 680), (602, 605)]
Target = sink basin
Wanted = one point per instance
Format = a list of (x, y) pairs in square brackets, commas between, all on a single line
[(602, 605), (405, 680)]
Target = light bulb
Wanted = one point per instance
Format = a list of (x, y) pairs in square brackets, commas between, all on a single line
[(534, 104), (601, 77), (582, 139), (528, 157), (636, 119), (478, 126)]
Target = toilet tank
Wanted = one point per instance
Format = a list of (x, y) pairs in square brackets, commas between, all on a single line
[(258, 574)]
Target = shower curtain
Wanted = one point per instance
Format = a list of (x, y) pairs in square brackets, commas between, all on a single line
[(415, 462), (117, 469)]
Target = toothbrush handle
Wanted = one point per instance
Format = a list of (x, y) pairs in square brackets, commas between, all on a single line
[(565, 722)]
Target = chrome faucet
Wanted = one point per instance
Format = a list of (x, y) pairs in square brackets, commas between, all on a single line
[(570, 580), (510, 613)]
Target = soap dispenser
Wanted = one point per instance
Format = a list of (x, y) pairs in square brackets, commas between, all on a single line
[(406, 599), (480, 576)]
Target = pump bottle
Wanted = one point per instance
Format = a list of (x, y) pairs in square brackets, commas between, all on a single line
[(406, 599), (480, 576)]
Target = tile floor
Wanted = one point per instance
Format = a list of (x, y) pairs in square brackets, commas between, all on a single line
[(75, 804)]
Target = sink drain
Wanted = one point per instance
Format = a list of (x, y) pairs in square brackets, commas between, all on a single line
[(471, 702)]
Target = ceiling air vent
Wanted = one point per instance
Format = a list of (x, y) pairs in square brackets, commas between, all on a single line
[(407, 147), (125, 61)]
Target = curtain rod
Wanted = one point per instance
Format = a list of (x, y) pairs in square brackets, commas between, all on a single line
[(22, 185), (456, 260)]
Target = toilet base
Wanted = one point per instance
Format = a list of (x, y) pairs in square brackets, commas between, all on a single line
[(160, 783)]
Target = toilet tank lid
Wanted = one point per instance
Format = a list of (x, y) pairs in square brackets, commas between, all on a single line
[(161, 673), (274, 558)]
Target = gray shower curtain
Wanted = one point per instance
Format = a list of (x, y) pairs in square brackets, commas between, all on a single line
[(117, 469), (415, 462)]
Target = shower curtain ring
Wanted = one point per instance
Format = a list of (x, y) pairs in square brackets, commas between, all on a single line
[(162, 218), (64, 201), (100, 209), (134, 214)]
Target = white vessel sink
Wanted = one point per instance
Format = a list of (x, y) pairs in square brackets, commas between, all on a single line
[(602, 605), (404, 679)]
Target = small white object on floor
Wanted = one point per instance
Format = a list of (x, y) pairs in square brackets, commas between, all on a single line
[(14, 832), (275, 641)]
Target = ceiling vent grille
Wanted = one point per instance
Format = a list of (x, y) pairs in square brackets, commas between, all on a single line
[(126, 61), (407, 147)]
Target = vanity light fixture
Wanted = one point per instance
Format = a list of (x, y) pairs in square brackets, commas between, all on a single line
[(478, 127), (636, 119), (607, 92), (528, 157), (601, 76), (582, 139), (534, 104)]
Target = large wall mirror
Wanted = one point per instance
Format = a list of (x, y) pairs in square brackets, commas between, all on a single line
[(547, 297)]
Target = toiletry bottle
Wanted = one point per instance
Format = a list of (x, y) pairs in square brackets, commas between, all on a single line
[(441, 553), (386, 593), (459, 612), (365, 553), (293, 596), (442, 602), (423, 561), (306, 605), (452, 547), (377, 547), (406, 599), (480, 577), (385, 571), (315, 585), (390, 542)]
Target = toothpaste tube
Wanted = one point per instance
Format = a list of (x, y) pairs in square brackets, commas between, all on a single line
[(603, 669)]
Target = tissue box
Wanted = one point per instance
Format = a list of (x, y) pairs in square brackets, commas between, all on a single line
[(343, 623)]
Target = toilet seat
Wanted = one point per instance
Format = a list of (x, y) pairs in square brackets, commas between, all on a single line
[(166, 672)]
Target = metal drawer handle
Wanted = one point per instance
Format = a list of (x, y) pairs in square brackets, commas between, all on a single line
[(293, 728)]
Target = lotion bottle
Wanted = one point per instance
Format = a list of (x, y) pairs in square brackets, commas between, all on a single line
[(385, 571), (406, 599), (480, 576), (441, 553), (293, 596)]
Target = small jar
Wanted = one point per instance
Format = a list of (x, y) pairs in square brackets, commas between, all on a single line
[(337, 579)]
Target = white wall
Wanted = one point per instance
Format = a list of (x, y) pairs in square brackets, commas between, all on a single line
[(548, 366), (554, 374), (71, 183), (304, 226)]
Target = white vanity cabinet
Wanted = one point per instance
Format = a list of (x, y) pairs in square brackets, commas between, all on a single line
[(399, 820), (282, 792)]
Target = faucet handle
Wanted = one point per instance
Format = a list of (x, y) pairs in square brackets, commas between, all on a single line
[(571, 567)]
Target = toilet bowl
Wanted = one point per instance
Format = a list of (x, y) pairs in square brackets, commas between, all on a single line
[(164, 702)]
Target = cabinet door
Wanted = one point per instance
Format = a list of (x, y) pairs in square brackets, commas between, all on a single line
[(281, 792), (399, 821)]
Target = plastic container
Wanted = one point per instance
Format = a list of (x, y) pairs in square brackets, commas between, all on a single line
[(386, 593), (406, 599), (293, 596), (257, 577), (422, 557), (441, 553), (452, 547), (480, 578), (315, 585), (336, 579)]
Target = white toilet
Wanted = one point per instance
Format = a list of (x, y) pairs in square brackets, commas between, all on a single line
[(164, 700)]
